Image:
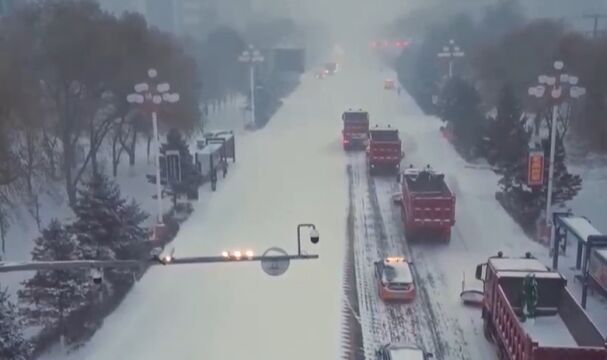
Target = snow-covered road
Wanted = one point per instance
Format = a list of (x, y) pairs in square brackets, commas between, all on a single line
[(295, 171), (291, 172)]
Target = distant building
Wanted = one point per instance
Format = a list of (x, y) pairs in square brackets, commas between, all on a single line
[(6, 7)]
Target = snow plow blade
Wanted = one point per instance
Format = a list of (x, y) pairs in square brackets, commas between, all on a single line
[(472, 297)]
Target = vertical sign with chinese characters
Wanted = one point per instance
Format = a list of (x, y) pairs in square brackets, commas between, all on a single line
[(535, 174)]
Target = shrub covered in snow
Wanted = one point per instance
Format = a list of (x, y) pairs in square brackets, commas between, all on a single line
[(12, 343)]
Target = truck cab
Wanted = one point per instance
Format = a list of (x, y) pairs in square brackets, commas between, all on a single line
[(402, 352), (355, 133)]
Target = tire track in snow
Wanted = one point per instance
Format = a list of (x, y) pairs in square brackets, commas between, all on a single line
[(381, 323), (368, 312), (437, 325), (353, 342)]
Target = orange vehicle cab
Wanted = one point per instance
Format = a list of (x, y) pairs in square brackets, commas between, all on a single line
[(395, 279)]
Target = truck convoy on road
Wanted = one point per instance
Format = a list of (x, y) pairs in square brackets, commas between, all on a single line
[(384, 152), (355, 133), (428, 205), (559, 330)]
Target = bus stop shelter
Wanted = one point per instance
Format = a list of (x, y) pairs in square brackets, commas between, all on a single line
[(587, 237)]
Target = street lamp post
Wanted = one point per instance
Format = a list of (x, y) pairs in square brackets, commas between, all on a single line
[(554, 84), (251, 56), (153, 95), (158, 258), (451, 52)]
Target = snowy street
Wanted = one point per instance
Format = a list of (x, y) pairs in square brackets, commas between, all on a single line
[(291, 172), (295, 171)]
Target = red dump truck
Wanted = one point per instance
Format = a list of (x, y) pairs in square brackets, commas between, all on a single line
[(428, 205), (355, 133), (384, 152), (560, 329)]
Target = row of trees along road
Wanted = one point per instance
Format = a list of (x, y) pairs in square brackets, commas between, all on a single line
[(486, 104), (66, 68)]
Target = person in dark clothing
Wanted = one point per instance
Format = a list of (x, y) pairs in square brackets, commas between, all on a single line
[(214, 179), (224, 165)]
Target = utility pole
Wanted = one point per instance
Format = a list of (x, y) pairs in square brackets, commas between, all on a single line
[(595, 17)]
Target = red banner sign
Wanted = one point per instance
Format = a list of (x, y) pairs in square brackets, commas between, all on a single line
[(535, 174)]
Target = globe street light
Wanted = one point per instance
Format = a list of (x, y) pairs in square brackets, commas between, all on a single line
[(554, 86), (252, 57), (152, 96)]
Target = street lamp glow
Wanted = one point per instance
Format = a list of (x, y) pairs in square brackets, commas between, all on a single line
[(135, 98), (164, 87), (152, 73), (237, 254), (225, 254), (249, 254), (558, 65), (142, 87), (157, 99)]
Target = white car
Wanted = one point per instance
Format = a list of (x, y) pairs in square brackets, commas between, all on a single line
[(402, 352)]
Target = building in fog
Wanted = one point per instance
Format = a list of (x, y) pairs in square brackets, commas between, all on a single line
[(6, 6)]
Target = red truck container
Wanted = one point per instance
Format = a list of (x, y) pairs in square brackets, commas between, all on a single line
[(384, 152), (561, 329), (355, 133), (428, 205)]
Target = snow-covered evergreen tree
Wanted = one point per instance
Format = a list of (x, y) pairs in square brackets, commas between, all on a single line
[(12, 344), (460, 107), (107, 226), (98, 222), (52, 294), (190, 177), (508, 138), (132, 234), (525, 203)]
